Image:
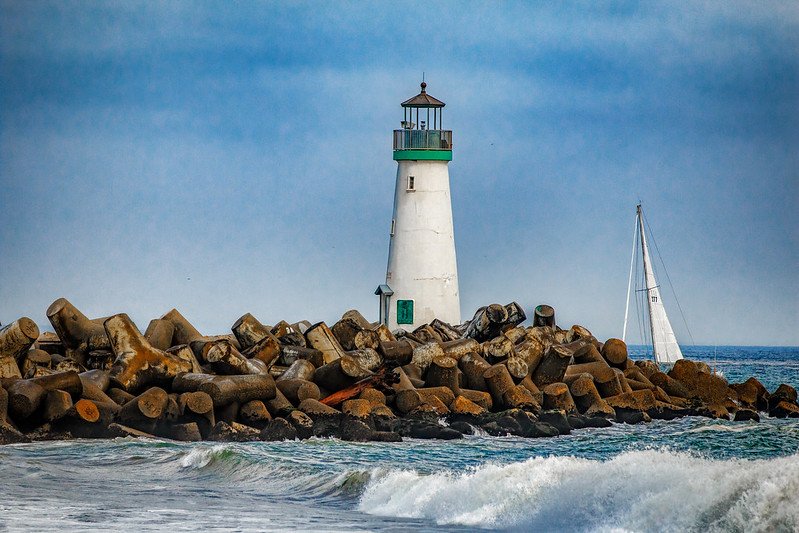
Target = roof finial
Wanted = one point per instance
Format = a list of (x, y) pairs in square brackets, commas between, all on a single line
[(424, 85)]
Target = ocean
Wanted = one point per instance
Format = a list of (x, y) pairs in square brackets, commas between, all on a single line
[(690, 474)]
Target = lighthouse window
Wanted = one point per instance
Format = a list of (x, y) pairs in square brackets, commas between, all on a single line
[(411, 183), (393, 226)]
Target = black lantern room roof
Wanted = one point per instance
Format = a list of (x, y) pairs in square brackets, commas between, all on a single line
[(423, 100)]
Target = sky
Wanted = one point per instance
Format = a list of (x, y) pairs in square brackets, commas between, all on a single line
[(233, 157)]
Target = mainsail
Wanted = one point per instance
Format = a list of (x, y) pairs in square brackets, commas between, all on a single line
[(664, 343)]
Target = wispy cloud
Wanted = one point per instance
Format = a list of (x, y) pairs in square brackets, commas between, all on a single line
[(227, 158)]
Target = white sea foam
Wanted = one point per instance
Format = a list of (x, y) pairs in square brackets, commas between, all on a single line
[(636, 491), (737, 428)]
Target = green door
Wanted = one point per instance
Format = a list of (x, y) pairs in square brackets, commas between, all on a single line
[(404, 311)]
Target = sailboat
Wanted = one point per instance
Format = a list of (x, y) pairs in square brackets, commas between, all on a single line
[(665, 349)]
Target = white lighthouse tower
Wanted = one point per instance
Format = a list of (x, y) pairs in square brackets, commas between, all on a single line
[(422, 276)]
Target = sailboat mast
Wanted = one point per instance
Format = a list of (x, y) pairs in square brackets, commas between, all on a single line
[(629, 282), (647, 277)]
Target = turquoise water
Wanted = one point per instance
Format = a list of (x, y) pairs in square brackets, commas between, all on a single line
[(691, 474)]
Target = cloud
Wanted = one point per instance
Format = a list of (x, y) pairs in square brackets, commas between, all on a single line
[(225, 158)]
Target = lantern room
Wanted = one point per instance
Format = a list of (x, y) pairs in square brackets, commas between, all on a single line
[(422, 136)]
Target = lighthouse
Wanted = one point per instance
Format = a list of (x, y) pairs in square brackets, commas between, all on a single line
[(422, 275)]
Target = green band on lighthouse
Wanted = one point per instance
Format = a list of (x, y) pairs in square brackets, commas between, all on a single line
[(422, 155)]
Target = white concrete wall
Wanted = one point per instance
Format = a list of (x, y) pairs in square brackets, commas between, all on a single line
[(421, 260)]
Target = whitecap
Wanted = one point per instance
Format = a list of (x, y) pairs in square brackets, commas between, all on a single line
[(652, 490), (737, 428)]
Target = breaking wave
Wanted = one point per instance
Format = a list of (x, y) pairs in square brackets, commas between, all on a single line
[(645, 490), (246, 467), (199, 458), (651, 490)]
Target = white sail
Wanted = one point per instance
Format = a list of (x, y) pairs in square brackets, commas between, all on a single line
[(629, 282), (664, 342)]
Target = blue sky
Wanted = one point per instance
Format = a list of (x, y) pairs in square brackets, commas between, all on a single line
[(235, 157)]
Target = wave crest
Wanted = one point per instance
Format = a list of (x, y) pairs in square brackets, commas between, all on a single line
[(199, 458), (231, 463), (640, 490)]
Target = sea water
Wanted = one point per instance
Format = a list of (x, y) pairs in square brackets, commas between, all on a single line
[(691, 474)]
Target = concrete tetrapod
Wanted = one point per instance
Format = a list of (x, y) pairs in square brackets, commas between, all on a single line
[(225, 390), (185, 333), (474, 367), (137, 363), (587, 398), (354, 335), (17, 337), (320, 337), (443, 372), (159, 334), (557, 396), (487, 322), (79, 334), (553, 366), (250, 331), (145, 410), (299, 369), (297, 390), (615, 353), (339, 374), (226, 359)]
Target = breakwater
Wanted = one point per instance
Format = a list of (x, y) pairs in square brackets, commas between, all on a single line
[(354, 380)]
